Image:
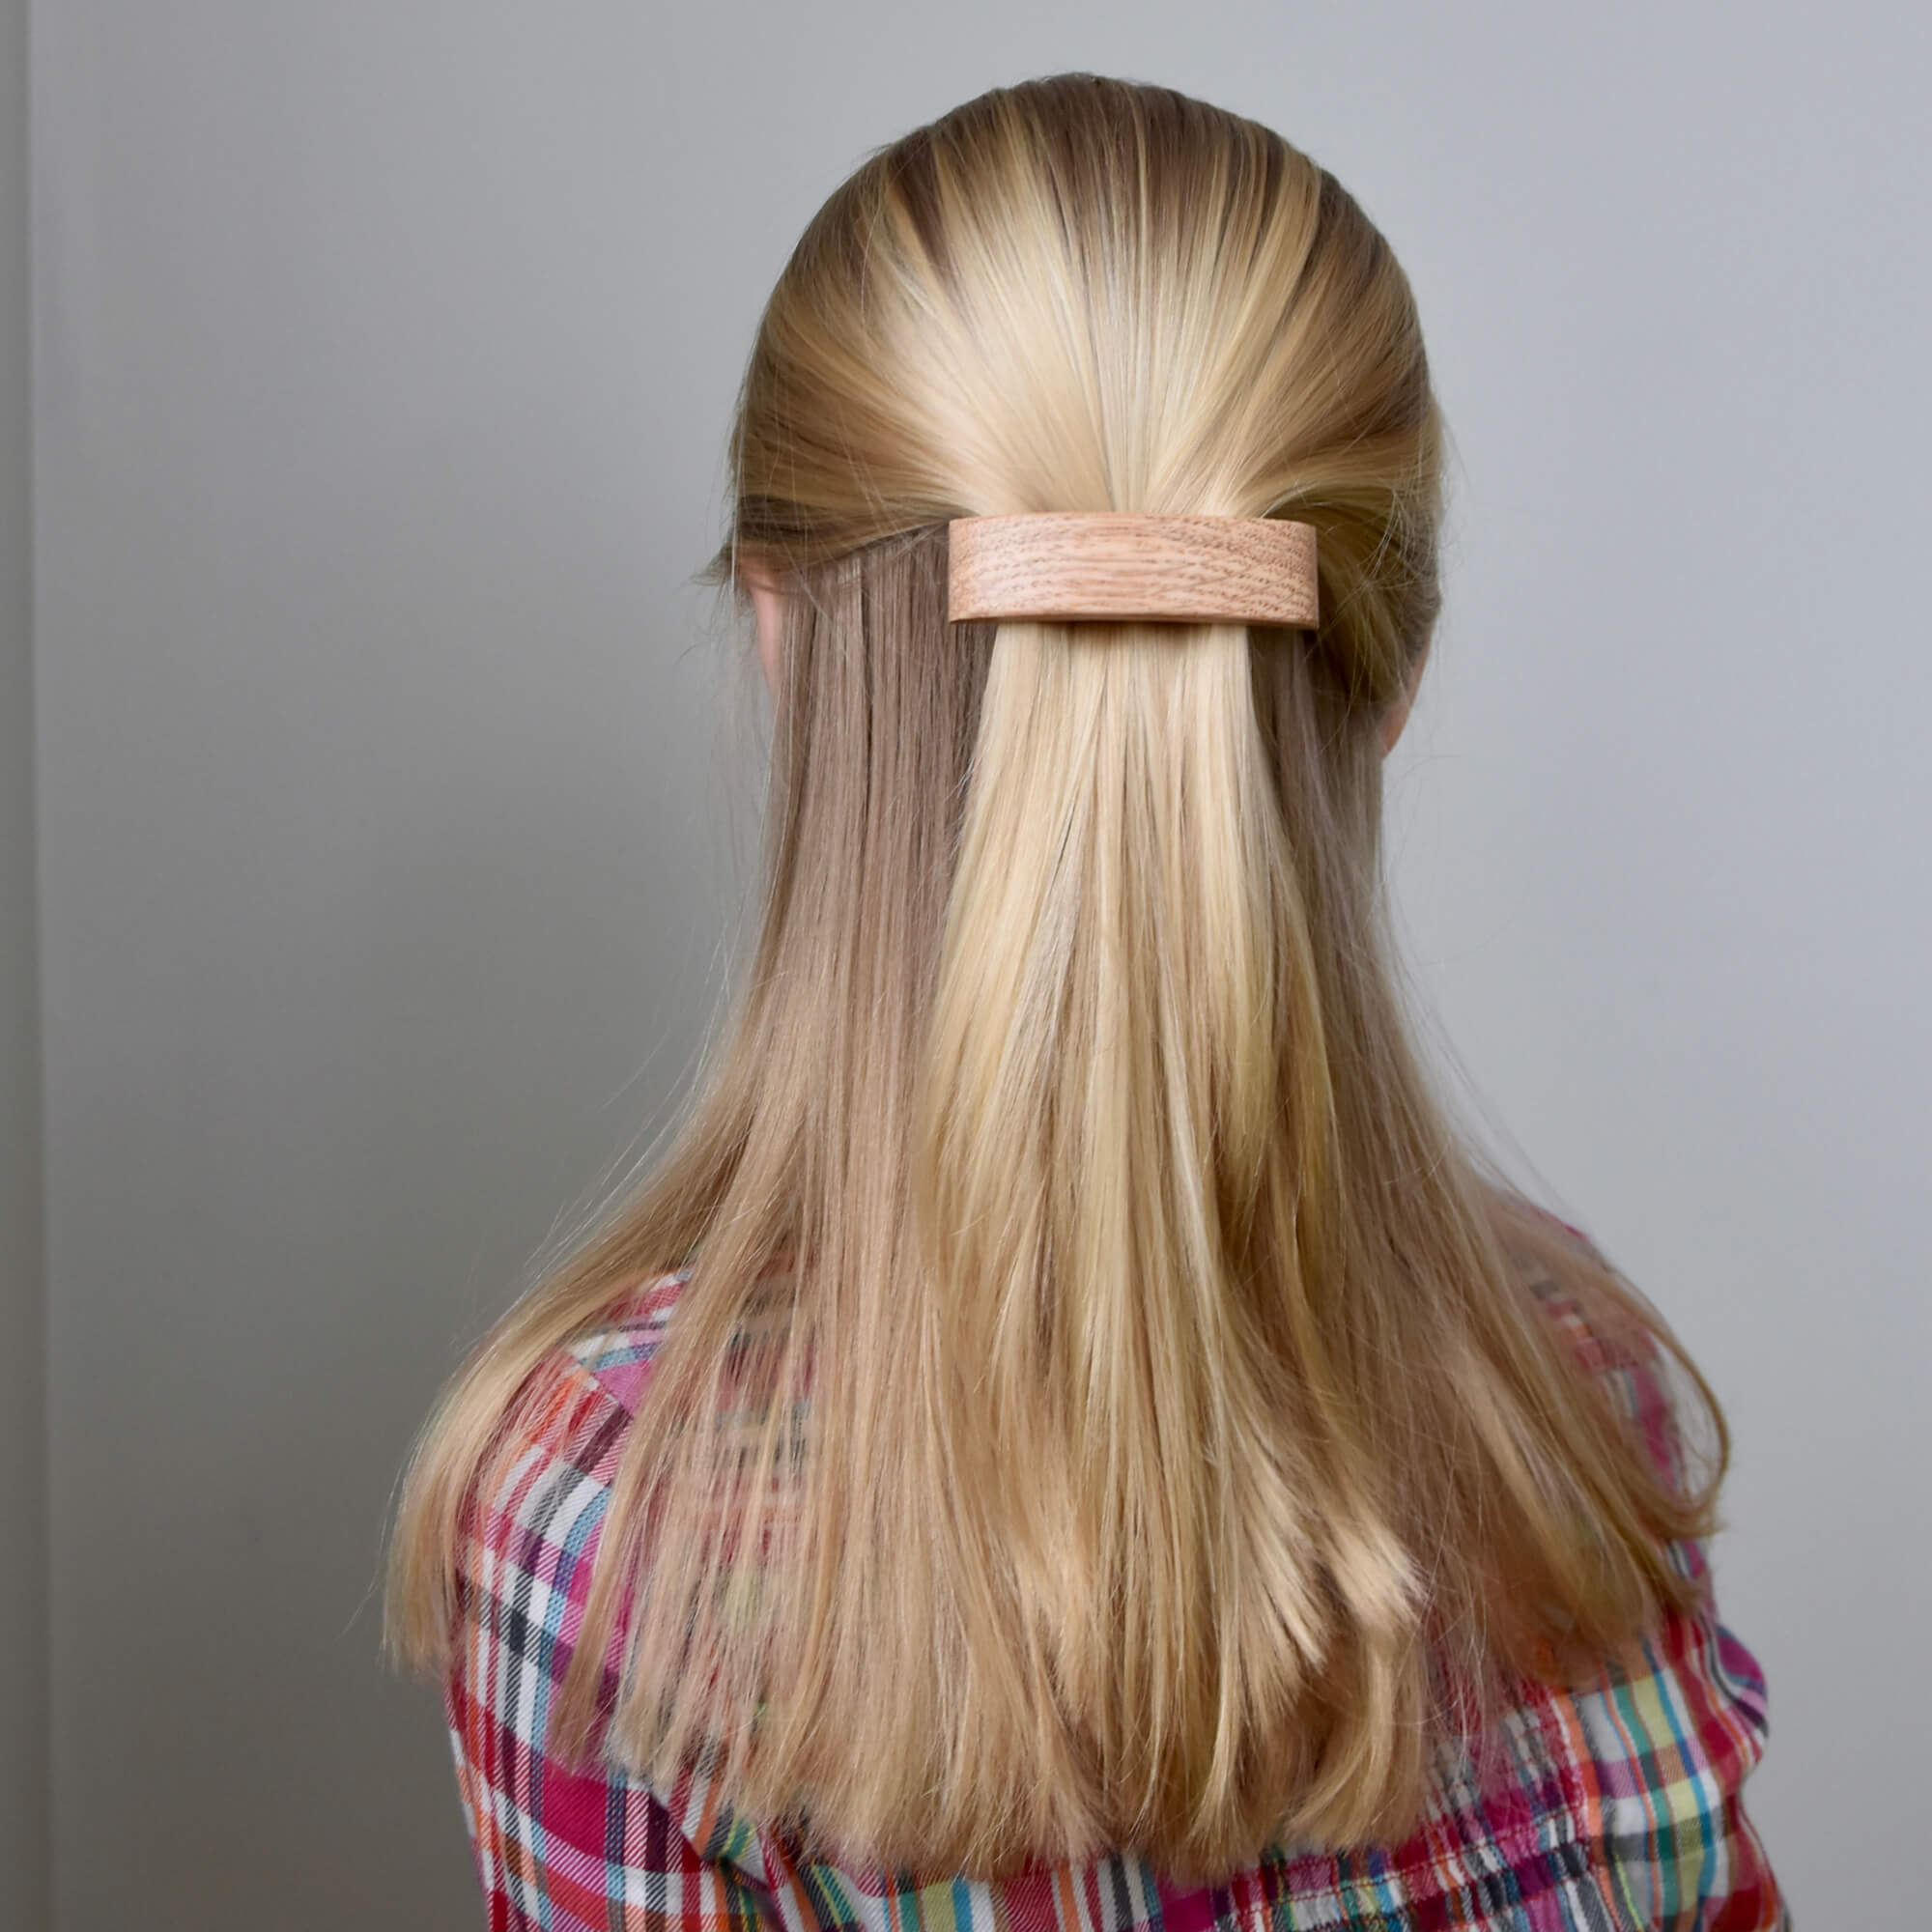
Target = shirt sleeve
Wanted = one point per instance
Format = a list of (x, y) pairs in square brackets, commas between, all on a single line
[(1668, 1748), (568, 1849)]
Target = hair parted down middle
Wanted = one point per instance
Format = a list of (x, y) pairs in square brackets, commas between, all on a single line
[(1155, 1442)]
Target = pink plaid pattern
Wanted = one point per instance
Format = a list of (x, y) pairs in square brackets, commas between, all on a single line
[(1605, 1810)]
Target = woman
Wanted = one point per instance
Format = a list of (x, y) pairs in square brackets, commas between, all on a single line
[(1067, 1421)]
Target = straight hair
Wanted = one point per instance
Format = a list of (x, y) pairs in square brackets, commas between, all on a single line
[(1106, 1407)]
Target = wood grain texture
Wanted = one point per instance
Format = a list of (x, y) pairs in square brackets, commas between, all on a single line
[(1109, 565)]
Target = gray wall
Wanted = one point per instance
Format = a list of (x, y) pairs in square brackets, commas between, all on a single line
[(382, 363), (24, 1466)]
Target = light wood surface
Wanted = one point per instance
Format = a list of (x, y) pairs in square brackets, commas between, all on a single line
[(1110, 565)]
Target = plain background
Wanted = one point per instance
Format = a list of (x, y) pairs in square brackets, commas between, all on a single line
[(381, 362)]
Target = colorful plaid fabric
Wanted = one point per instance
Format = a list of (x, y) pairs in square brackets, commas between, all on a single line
[(1609, 1810)]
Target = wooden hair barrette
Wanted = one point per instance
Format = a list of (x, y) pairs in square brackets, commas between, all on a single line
[(1120, 565)]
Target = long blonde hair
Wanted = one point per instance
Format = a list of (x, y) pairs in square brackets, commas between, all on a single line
[(1183, 1445)]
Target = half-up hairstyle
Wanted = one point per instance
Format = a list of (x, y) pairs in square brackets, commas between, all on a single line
[(1140, 1411)]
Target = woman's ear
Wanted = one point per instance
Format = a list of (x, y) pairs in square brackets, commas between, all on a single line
[(768, 601), (1397, 715)]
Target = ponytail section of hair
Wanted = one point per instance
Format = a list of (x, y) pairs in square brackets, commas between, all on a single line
[(1128, 1150)]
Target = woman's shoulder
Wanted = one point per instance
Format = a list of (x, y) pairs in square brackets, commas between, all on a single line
[(557, 1445), (548, 1836), (616, 1355), (1594, 1310), (534, 1513)]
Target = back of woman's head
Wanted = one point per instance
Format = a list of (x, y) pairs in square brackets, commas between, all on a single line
[(1081, 295), (1183, 1442)]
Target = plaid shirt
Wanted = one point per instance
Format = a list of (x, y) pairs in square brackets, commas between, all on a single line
[(1613, 1809)]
